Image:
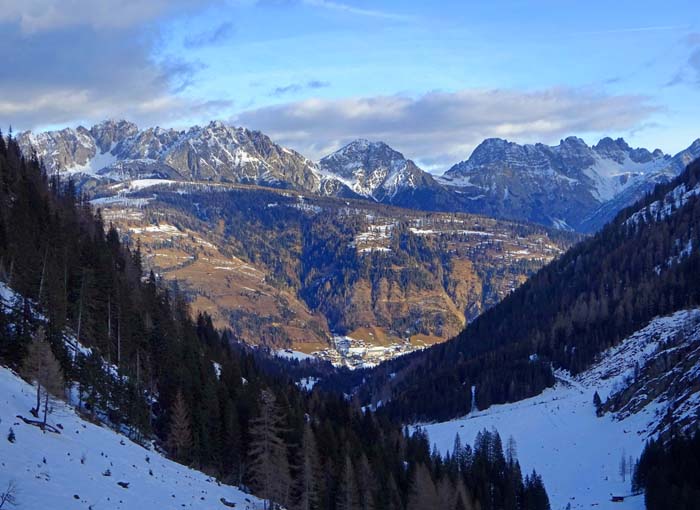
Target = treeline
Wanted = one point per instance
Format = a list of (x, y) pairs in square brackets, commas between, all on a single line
[(143, 364), (669, 473), (490, 472), (588, 300)]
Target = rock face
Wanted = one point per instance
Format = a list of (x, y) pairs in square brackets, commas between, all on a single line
[(109, 133), (670, 375), (65, 149), (567, 185), (117, 150)]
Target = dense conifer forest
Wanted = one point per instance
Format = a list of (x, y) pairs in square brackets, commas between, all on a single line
[(134, 358), (669, 473)]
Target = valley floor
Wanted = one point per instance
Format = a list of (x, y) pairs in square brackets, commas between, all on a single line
[(558, 434)]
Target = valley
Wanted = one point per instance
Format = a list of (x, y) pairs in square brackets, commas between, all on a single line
[(349, 255), (351, 281), (559, 433)]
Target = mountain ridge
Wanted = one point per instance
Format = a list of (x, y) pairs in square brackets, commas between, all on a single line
[(570, 185)]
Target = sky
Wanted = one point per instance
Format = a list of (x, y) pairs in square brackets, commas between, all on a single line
[(431, 79)]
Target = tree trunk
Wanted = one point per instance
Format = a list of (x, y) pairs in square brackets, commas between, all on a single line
[(119, 338), (109, 329), (46, 407), (35, 411), (43, 274)]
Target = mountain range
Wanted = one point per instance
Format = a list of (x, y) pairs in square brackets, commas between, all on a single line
[(570, 185), (592, 356)]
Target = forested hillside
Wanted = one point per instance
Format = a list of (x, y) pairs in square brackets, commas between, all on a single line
[(643, 264), (291, 270), (135, 359), (667, 473)]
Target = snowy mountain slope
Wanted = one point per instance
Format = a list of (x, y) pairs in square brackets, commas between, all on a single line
[(372, 169), (81, 466), (641, 186), (660, 209), (376, 171), (88, 460), (117, 150), (559, 434), (581, 186)]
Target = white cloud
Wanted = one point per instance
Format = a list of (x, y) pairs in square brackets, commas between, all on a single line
[(41, 15), (84, 60), (441, 128)]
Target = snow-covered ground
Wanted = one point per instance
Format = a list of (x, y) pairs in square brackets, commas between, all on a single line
[(68, 470), (558, 433), (293, 355)]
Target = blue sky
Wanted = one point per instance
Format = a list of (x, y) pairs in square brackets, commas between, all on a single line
[(430, 78)]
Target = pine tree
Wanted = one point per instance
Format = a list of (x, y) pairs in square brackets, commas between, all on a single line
[(348, 497), (269, 467), (392, 495), (511, 451), (598, 404), (309, 478), (42, 367), (180, 436), (366, 483), (423, 493), (534, 494)]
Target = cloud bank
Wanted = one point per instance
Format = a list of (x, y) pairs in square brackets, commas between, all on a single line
[(75, 60), (441, 128)]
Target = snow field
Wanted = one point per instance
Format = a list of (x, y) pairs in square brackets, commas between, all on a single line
[(81, 467)]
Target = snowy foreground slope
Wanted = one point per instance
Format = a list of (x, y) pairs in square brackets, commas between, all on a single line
[(558, 433), (64, 482)]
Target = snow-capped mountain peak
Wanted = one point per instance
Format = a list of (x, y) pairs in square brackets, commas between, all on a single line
[(373, 169), (560, 183), (118, 150)]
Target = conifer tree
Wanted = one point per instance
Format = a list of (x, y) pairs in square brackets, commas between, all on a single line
[(348, 497), (598, 404), (423, 493), (180, 435), (535, 496), (42, 367), (269, 467), (366, 483), (308, 482)]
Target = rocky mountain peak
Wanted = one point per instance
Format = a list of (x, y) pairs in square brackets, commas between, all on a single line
[(608, 144), (361, 157), (117, 149), (617, 150), (491, 149), (372, 150), (110, 132), (573, 142), (374, 169)]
